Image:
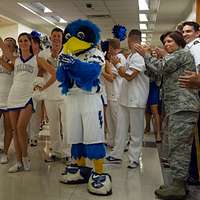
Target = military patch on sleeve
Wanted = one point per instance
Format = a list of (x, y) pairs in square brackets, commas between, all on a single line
[(196, 42)]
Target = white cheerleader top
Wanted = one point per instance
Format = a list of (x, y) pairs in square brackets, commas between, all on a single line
[(25, 73), (6, 79)]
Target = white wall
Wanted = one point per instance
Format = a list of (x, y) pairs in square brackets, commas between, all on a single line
[(192, 15), (13, 30), (22, 28), (9, 31)]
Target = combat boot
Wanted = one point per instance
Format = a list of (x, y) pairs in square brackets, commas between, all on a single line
[(175, 191)]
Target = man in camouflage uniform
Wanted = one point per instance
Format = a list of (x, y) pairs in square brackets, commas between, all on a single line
[(181, 108)]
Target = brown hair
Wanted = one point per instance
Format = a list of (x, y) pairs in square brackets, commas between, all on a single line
[(136, 33), (56, 29), (176, 36), (29, 38), (193, 24), (114, 43)]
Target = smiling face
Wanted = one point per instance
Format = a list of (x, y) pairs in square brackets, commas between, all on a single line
[(24, 43), (154, 53), (189, 33), (170, 45), (56, 38), (10, 44)]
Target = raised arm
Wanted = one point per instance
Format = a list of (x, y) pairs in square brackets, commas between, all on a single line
[(44, 65), (8, 65), (128, 74), (107, 72)]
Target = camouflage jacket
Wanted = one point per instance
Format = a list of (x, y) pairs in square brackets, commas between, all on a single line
[(175, 98)]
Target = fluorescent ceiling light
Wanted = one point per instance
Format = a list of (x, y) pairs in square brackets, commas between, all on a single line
[(144, 35), (143, 5), (143, 17), (47, 10), (61, 20), (143, 27), (27, 8)]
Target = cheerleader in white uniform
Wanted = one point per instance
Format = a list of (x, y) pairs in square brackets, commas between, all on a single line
[(6, 79), (20, 102)]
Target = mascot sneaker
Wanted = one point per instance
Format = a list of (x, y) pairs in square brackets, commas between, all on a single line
[(75, 175), (100, 184)]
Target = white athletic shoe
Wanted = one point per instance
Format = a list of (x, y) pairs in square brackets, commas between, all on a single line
[(75, 175), (18, 167), (100, 184), (4, 159), (26, 163)]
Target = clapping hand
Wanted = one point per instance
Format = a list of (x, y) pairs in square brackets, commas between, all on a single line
[(142, 49), (161, 52)]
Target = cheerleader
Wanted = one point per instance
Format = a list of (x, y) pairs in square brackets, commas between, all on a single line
[(20, 101), (6, 78), (34, 125)]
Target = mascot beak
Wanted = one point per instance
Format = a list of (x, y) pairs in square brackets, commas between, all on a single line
[(74, 45)]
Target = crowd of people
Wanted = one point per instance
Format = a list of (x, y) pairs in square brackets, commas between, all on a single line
[(144, 82)]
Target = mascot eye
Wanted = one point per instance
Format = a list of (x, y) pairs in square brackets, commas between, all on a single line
[(67, 36), (81, 35)]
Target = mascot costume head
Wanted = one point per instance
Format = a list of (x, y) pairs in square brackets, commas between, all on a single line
[(79, 70), (80, 40), (80, 36)]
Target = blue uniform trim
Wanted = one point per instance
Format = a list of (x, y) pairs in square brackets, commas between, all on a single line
[(100, 119), (103, 101), (30, 101), (91, 151), (26, 60)]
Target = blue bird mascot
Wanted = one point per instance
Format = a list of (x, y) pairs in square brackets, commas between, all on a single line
[(79, 69)]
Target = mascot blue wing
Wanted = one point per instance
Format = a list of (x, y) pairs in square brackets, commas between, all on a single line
[(85, 74), (63, 77), (61, 73)]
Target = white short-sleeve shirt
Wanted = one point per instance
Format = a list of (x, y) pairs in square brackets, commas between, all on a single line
[(113, 88), (53, 92), (134, 93), (194, 48)]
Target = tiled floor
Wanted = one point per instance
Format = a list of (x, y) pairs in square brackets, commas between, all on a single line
[(41, 183)]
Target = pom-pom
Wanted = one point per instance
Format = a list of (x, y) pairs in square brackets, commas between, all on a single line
[(35, 34), (119, 32), (45, 42)]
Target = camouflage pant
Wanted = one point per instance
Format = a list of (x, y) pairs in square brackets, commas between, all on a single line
[(165, 143), (180, 127)]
